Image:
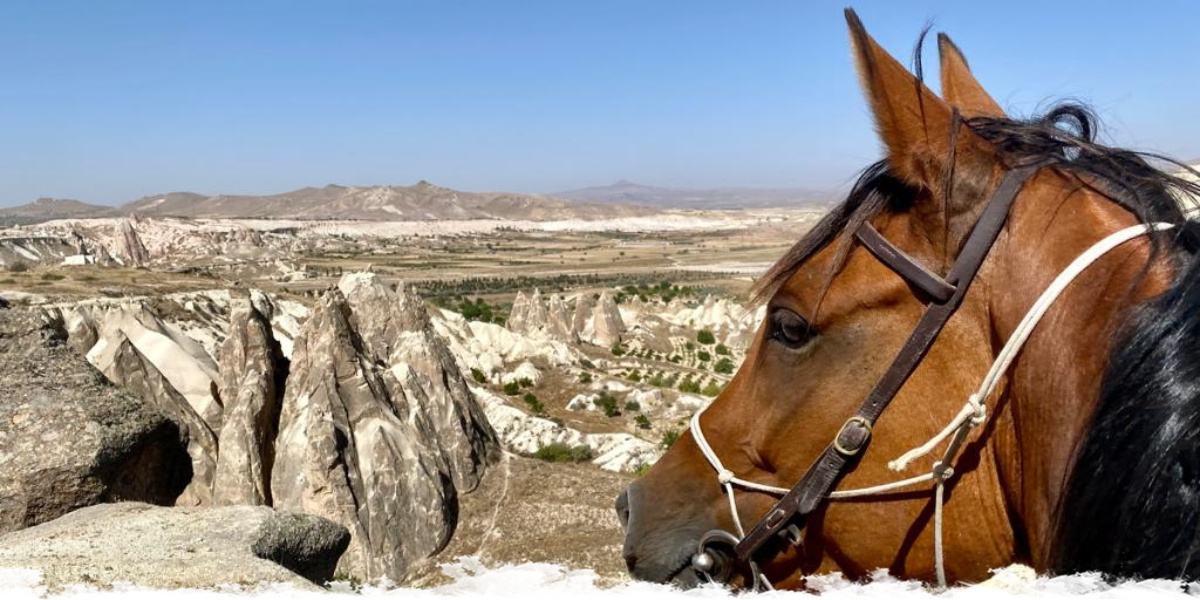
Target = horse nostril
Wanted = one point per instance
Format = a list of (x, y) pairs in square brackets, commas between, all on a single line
[(623, 509)]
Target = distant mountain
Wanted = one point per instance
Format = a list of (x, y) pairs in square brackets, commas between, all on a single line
[(628, 192), (421, 202), (46, 209)]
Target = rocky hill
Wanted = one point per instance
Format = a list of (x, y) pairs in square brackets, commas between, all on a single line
[(46, 209), (421, 202)]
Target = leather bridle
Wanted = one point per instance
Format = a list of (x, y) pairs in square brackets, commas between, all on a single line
[(943, 296)]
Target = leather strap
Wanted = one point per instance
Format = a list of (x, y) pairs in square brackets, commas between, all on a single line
[(904, 265), (814, 487)]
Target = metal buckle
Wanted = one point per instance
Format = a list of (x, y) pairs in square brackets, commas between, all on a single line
[(837, 439)]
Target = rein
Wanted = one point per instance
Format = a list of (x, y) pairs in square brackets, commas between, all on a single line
[(943, 297)]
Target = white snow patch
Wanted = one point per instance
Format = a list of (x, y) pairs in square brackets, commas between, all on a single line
[(537, 581)]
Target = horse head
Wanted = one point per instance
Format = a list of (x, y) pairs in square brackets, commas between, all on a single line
[(837, 316)]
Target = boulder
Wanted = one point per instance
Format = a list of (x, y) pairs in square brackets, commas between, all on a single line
[(178, 547), (68, 438), (253, 371)]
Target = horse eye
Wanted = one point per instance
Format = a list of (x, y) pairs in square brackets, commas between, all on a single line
[(790, 329)]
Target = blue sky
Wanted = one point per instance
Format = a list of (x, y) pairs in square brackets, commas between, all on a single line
[(107, 101)]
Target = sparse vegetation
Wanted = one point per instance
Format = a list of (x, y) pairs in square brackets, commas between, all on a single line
[(643, 422), (723, 366), (478, 375), (669, 438), (52, 277), (535, 405), (18, 267), (607, 403), (559, 452)]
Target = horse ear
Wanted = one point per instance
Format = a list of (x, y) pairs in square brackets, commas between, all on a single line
[(959, 86), (913, 123)]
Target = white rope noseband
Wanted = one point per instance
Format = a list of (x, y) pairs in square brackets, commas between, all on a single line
[(972, 414)]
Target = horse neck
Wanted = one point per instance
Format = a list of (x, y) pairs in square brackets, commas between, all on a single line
[(1054, 385)]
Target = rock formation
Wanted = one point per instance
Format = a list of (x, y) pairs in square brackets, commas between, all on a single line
[(349, 449), (180, 359), (178, 547), (70, 439), (607, 325), (253, 371), (397, 331), (130, 245), (559, 321), (125, 366)]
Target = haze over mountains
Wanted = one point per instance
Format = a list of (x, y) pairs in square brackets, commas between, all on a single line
[(628, 192), (423, 201)]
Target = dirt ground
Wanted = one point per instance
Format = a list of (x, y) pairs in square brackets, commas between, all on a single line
[(527, 510)]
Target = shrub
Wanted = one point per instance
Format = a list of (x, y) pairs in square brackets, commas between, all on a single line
[(704, 356), (706, 337), (512, 388), (525, 382), (534, 404), (724, 366), (642, 469), (669, 438), (632, 406), (689, 386), (674, 358), (643, 422), (587, 364), (656, 380), (606, 402), (478, 375), (635, 376), (618, 350), (18, 267), (712, 389), (563, 453), (585, 377), (722, 350)]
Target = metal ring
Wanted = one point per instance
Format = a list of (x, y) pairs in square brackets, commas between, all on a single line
[(837, 439)]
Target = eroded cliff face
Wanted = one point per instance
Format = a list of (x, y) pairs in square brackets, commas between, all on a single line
[(351, 450), (68, 437), (396, 331), (369, 424), (253, 371)]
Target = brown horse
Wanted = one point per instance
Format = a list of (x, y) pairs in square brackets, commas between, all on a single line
[(1088, 458)]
